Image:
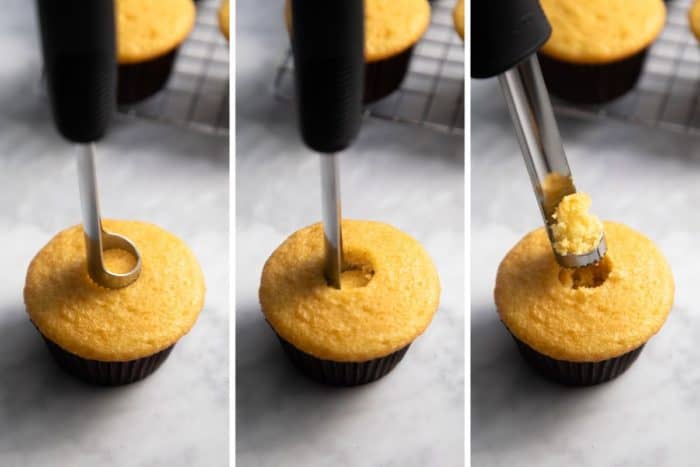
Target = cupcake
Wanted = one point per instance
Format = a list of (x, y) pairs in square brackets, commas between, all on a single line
[(392, 28), (584, 326), (597, 48), (114, 336), (149, 33), (458, 18), (224, 18), (694, 19), (359, 333)]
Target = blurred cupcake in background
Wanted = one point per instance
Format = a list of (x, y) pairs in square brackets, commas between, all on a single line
[(392, 29), (224, 18), (458, 18), (149, 33), (694, 19), (597, 48)]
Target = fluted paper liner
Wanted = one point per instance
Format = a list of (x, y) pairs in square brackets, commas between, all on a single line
[(342, 373), (577, 373), (138, 81), (591, 83), (107, 373), (385, 76)]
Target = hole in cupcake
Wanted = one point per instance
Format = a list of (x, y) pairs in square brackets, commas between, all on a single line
[(356, 275), (119, 261), (590, 276)]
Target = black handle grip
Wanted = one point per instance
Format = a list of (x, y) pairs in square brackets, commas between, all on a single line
[(328, 44), (78, 43), (504, 33)]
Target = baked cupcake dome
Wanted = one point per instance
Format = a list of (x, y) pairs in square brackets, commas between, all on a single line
[(619, 305), (124, 326), (597, 48), (694, 19), (389, 296), (458, 18), (223, 17), (149, 33), (392, 28)]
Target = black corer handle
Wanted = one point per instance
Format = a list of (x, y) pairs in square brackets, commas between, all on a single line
[(504, 33), (78, 44), (328, 45)]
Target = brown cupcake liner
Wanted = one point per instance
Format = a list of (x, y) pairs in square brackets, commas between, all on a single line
[(138, 81), (342, 373), (106, 373), (577, 373), (385, 76), (591, 84)]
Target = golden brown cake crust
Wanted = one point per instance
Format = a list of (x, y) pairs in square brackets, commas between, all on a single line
[(391, 26), (585, 324), (147, 29), (121, 324), (224, 19), (601, 31), (694, 18), (355, 323), (458, 18)]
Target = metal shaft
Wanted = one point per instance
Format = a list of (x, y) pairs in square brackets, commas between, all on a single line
[(535, 125), (89, 201), (330, 193), (96, 238), (540, 142)]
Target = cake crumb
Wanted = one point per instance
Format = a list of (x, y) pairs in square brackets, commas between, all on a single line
[(553, 188), (575, 231)]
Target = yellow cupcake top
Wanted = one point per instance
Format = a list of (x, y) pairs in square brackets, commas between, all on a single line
[(601, 31), (391, 26), (591, 314), (575, 231), (694, 18), (224, 18), (458, 17), (387, 299), (147, 29), (115, 324)]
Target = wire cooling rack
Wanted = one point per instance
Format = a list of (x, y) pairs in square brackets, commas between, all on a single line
[(432, 94), (196, 95), (668, 92)]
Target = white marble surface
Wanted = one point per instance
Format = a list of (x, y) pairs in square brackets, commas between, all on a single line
[(172, 177), (647, 179), (402, 175)]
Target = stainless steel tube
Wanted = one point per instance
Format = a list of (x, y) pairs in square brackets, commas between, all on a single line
[(540, 142), (96, 238), (330, 195)]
